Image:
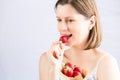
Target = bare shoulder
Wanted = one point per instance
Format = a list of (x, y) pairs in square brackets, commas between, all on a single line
[(43, 62), (43, 58), (108, 60), (43, 67), (108, 68)]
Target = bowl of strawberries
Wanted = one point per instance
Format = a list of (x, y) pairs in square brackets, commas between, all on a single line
[(73, 72)]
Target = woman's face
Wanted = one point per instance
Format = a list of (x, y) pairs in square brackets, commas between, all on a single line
[(70, 22)]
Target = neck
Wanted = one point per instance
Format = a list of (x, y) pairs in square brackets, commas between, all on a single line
[(75, 54), (79, 51)]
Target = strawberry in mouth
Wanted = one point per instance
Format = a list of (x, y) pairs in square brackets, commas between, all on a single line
[(65, 38)]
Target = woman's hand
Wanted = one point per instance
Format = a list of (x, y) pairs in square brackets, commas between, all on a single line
[(55, 54), (50, 62)]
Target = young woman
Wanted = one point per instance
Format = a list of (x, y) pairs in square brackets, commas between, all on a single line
[(79, 20)]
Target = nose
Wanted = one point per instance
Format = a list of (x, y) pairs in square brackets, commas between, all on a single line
[(62, 26)]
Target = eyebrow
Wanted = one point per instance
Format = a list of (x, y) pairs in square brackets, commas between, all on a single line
[(65, 17)]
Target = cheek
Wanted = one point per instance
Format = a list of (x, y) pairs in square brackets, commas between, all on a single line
[(58, 27), (84, 31), (81, 30), (85, 27)]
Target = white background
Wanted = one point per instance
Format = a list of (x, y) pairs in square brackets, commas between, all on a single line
[(28, 27)]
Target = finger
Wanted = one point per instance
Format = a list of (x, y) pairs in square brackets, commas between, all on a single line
[(61, 45), (56, 49), (59, 52), (52, 48), (61, 48), (51, 57), (57, 42)]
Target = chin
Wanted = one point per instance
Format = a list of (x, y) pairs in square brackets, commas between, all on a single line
[(68, 44)]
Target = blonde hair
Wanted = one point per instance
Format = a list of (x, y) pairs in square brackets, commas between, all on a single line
[(87, 8)]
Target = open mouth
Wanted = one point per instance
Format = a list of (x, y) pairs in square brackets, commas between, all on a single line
[(65, 38), (70, 35)]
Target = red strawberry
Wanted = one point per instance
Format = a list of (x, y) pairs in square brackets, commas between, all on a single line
[(70, 65), (64, 39), (78, 69), (76, 73), (67, 71), (71, 70)]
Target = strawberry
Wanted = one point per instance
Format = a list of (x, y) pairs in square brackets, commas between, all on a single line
[(76, 73), (78, 69), (73, 71), (70, 65), (67, 71), (64, 38)]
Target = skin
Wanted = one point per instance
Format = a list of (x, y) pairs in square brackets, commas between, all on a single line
[(71, 22)]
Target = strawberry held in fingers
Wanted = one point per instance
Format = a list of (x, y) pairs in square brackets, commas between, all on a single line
[(65, 38)]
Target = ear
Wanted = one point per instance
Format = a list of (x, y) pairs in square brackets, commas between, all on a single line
[(92, 22)]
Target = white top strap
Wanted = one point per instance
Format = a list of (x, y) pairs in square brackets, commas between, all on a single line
[(98, 62), (92, 75)]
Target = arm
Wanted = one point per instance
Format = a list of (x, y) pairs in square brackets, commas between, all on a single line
[(43, 67), (108, 69), (46, 70)]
